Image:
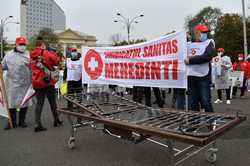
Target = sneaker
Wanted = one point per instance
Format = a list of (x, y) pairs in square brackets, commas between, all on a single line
[(218, 101), (228, 102), (23, 125), (57, 123), (39, 128), (243, 97)]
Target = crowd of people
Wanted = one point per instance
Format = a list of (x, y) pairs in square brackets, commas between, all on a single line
[(37, 67), (40, 68)]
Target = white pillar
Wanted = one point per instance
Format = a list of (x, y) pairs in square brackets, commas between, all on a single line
[(64, 50)]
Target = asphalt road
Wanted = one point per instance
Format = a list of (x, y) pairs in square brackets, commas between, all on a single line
[(23, 147)]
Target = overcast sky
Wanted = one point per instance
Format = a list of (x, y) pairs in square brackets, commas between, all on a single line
[(96, 17)]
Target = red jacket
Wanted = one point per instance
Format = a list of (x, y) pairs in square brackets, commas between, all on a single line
[(49, 60), (243, 66)]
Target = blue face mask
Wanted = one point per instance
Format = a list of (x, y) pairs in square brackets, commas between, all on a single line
[(203, 37)]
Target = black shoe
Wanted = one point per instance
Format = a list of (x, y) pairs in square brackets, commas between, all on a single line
[(23, 125), (40, 128), (57, 123)]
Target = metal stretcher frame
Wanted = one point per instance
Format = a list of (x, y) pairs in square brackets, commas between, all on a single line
[(93, 112)]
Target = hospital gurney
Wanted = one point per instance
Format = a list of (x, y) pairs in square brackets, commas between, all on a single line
[(125, 119)]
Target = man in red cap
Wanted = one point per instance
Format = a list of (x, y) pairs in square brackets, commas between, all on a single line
[(18, 79), (222, 66), (242, 65), (73, 73), (199, 69)]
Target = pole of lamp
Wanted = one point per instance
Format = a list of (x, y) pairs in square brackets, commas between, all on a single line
[(128, 23), (244, 29), (1, 57), (128, 29), (3, 21)]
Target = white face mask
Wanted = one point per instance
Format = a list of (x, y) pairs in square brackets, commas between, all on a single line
[(240, 59), (219, 53), (74, 55), (21, 48)]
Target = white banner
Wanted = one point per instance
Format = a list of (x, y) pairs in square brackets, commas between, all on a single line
[(29, 94), (157, 63), (216, 64), (237, 78), (3, 98)]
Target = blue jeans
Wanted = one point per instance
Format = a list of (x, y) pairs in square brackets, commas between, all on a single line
[(180, 98), (200, 94)]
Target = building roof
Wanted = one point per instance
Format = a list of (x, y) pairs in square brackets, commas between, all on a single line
[(81, 34)]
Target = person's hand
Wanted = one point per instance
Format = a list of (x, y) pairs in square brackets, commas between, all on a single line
[(186, 61)]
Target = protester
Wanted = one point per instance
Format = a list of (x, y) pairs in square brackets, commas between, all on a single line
[(137, 94), (179, 100), (222, 81), (73, 73), (157, 93), (18, 81), (244, 66), (199, 73), (44, 77)]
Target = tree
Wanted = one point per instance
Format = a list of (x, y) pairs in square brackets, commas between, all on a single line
[(116, 38), (229, 34), (124, 42), (49, 37), (208, 16)]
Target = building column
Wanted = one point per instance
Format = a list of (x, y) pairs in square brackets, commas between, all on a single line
[(64, 49)]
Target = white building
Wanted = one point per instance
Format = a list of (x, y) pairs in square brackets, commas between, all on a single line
[(37, 14)]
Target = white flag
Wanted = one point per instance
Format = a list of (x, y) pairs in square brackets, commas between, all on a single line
[(29, 94)]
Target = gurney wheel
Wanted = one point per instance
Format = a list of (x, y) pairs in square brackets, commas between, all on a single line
[(71, 143), (211, 155)]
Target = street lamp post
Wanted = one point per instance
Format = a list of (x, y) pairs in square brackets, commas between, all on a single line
[(244, 28), (128, 22), (3, 23)]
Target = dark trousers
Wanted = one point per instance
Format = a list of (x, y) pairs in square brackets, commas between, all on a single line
[(157, 94), (242, 89), (22, 116), (180, 98), (200, 93), (50, 93), (147, 92), (74, 87), (219, 93), (137, 94)]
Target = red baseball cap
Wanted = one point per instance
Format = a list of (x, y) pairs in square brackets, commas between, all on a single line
[(241, 55), (220, 50), (73, 49), (21, 40), (202, 28)]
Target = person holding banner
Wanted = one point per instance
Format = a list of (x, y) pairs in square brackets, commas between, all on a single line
[(44, 77), (222, 66), (242, 65), (200, 54), (18, 81), (73, 73)]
